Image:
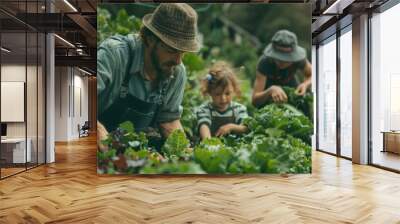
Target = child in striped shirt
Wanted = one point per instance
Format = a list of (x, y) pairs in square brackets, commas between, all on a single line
[(221, 116)]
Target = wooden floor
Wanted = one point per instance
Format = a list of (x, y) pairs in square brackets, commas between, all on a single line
[(70, 191), (5, 172), (10, 171)]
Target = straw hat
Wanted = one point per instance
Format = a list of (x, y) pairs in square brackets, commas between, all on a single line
[(284, 47), (176, 25)]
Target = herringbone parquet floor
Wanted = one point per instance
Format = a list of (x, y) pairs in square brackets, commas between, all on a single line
[(70, 191)]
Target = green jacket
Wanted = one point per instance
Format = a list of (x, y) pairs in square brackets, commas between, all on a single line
[(120, 56)]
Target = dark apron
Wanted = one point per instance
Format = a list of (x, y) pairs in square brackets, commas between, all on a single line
[(282, 78), (130, 108), (217, 122)]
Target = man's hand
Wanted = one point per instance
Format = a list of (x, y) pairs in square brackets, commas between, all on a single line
[(169, 127), (301, 89), (224, 130), (277, 94), (101, 135)]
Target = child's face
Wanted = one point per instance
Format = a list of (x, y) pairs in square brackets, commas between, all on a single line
[(221, 98)]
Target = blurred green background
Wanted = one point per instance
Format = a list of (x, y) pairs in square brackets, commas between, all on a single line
[(258, 22)]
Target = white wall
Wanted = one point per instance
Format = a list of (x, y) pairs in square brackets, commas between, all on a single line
[(13, 73), (61, 103), (13, 101), (80, 110), (9, 73), (71, 94)]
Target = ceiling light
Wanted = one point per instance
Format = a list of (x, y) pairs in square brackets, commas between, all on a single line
[(86, 72), (79, 51), (329, 9), (71, 6), (5, 50), (64, 40)]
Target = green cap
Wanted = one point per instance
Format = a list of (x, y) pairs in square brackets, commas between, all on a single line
[(284, 47)]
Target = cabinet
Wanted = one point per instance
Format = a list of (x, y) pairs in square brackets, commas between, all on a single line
[(391, 141), (13, 150)]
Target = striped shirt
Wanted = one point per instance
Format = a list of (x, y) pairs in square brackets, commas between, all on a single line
[(206, 111)]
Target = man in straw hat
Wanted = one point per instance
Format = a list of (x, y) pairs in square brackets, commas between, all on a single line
[(141, 78), (277, 67)]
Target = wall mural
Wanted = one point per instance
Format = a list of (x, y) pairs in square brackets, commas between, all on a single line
[(204, 88)]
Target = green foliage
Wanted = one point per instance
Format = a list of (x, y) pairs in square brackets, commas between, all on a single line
[(136, 160), (122, 24), (176, 145), (174, 168), (262, 150), (277, 152), (195, 68), (125, 137), (263, 20), (105, 161), (124, 145), (193, 63), (283, 117), (243, 162), (240, 54), (303, 103), (213, 156)]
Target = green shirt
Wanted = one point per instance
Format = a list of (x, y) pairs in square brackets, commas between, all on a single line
[(281, 77), (120, 56)]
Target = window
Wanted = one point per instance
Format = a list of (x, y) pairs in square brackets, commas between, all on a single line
[(327, 96), (385, 84), (346, 93), (22, 76)]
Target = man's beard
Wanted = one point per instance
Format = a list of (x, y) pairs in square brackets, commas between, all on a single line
[(161, 74)]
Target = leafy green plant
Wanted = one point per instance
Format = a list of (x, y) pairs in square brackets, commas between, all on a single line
[(176, 146), (125, 137), (242, 162), (277, 152), (105, 161), (123, 144), (136, 160), (174, 168), (303, 103), (213, 156), (283, 117)]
